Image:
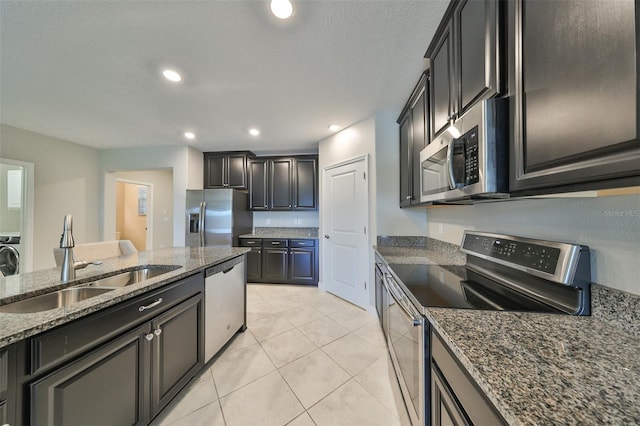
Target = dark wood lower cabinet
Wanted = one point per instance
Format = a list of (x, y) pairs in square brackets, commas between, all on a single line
[(126, 378), (282, 261), (302, 265), (106, 386), (275, 264), (177, 351), (253, 262)]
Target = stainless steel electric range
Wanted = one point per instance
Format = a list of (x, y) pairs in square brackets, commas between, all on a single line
[(503, 273)]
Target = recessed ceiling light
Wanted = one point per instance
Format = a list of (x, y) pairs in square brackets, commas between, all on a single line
[(282, 9), (172, 75), (333, 127), (254, 132), (189, 135)]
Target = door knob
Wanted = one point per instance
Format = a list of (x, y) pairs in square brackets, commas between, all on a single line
[(326, 236)]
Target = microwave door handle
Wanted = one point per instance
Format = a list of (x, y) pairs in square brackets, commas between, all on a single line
[(452, 178)]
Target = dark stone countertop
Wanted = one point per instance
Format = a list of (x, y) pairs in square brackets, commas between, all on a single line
[(15, 327), (543, 368)]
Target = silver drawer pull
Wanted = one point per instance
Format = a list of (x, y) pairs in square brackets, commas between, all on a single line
[(152, 305), (275, 243)]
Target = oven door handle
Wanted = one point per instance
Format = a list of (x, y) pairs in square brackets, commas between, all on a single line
[(416, 318)]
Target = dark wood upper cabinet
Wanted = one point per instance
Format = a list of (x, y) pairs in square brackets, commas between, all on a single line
[(441, 102), (574, 79), (414, 136), (465, 60), (477, 32), (405, 161), (226, 169), (259, 184), (305, 183), (281, 183)]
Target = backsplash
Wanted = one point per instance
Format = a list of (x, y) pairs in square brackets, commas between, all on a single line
[(286, 219), (277, 232)]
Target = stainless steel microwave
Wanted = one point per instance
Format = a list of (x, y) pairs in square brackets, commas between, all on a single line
[(469, 160)]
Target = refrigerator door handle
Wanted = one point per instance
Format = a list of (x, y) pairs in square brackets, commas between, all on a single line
[(203, 209)]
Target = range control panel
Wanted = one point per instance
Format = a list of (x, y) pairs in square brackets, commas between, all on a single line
[(535, 256)]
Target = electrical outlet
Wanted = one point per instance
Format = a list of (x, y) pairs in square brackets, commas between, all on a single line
[(441, 228), (268, 221)]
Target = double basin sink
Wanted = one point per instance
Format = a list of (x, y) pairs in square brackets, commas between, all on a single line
[(71, 295)]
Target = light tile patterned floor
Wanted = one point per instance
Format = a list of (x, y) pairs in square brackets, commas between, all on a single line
[(307, 358)]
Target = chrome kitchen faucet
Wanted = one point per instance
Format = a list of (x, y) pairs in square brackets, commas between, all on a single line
[(70, 264)]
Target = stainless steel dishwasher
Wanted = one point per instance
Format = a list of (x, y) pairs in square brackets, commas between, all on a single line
[(225, 304)]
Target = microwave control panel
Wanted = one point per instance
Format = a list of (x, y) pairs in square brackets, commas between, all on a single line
[(472, 171)]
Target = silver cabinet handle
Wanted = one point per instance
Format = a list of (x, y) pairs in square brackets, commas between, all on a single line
[(326, 236), (152, 305), (275, 243), (408, 197), (149, 336), (157, 331)]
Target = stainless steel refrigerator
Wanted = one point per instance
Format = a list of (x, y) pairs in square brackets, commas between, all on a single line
[(216, 217)]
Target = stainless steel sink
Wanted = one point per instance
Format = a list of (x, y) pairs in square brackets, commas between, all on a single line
[(54, 300), (124, 279), (68, 296)]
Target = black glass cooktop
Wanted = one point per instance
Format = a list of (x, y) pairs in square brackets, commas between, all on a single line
[(459, 287)]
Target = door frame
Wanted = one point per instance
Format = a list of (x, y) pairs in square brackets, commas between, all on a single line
[(27, 217), (149, 231), (367, 256)]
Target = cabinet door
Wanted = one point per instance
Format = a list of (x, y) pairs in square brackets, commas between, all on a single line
[(177, 351), (253, 261), (214, 171), (305, 184), (274, 265), (476, 28), (280, 184), (440, 84), (105, 387), (405, 162), (258, 184), (303, 266), (445, 409), (419, 136), (237, 171), (576, 93)]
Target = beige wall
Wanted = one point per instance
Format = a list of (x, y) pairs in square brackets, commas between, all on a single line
[(67, 181), (161, 219), (183, 161), (134, 225)]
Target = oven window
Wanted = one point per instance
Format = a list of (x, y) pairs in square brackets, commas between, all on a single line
[(434, 173), (405, 343)]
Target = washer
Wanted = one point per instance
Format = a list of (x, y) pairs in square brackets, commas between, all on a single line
[(9, 255)]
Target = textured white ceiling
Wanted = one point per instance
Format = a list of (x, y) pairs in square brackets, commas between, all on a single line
[(89, 71)]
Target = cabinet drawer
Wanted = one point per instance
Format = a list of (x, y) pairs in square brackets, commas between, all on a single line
[(250, 242), (302, 243), (70, 340), (274, 242)]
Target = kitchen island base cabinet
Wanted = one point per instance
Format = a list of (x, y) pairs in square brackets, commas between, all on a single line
[(177, 351), (130, 376), (104, 387)]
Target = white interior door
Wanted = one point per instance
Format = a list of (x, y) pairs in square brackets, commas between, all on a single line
[(344, 220)]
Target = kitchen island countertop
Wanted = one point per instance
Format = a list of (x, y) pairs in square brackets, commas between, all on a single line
[(15, 327), (541, 368)]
